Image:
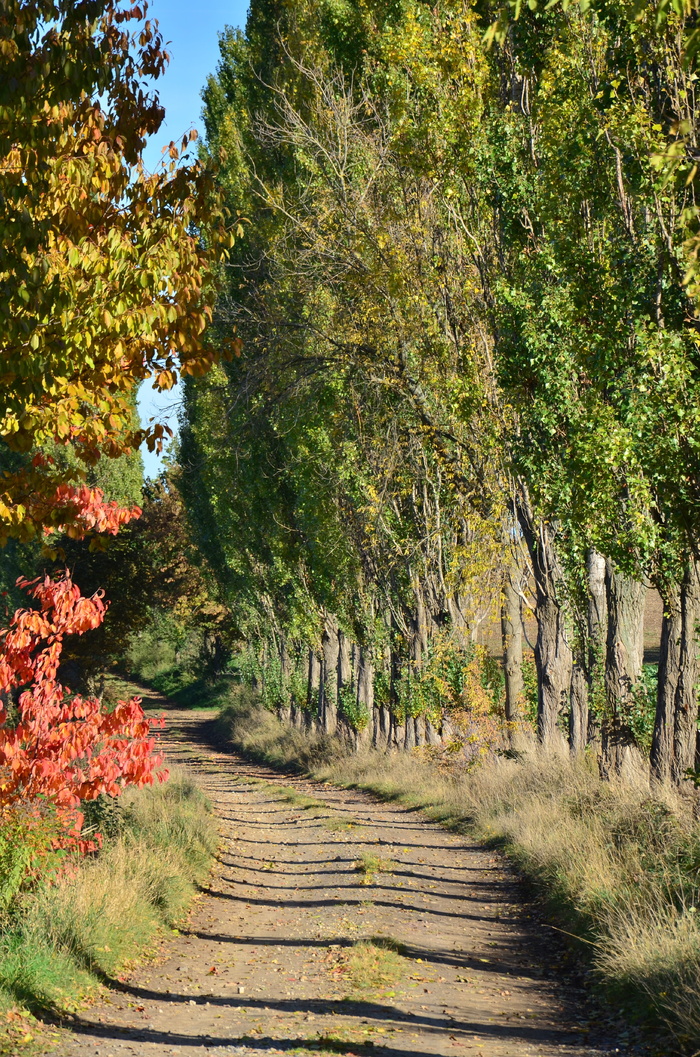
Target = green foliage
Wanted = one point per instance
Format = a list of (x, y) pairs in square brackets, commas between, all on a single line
[(473, 327), (356, 712), (106, 279), (27, 832), (452, 677), (640, 718)]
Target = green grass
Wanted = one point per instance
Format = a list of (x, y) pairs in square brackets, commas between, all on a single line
[(60, 939), (616, 863), (339, 825), (369, 865), (299, 800), (374, 966), (179, 687)]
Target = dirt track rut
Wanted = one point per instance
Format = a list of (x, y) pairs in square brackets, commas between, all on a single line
[(262, 966)]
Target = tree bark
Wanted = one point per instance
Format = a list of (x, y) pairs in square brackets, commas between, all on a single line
[(552, 652), (624, 657), (313, 690), (344, 662), (365, 694), (419, 638), (587, 683), (578, 715), (329, 677), (283, 707), (512, 638), (431, 733), (346, 651), (673, 744), (597, 641)]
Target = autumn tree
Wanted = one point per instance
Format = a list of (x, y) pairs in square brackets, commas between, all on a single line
[(106, 280)]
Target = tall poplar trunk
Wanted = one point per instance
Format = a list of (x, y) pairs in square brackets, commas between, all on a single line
[(365, 693), (345, 676), (344, 662), (512, 638), (329, 677), (313, 691), (597, 641), (395, 658), (419, 640), (578, 714), (432, 735), (586, 676), (673, 745), (552, 652), (409, 734), (624, 657), (283, 708)]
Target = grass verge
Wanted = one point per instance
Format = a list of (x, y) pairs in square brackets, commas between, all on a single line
[(61, 939), (617, 864)]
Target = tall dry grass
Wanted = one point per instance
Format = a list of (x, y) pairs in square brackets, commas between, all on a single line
[(617, 863), (62, 936)]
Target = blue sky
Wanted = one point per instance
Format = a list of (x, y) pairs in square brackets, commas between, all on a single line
[(192, 30)]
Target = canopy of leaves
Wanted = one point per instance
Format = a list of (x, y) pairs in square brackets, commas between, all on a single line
[(104, 277)]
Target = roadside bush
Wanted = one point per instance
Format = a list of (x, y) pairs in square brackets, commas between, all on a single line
[(27, 833)]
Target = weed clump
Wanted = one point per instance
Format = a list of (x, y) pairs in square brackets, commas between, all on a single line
[(374, 965), (369, 865)]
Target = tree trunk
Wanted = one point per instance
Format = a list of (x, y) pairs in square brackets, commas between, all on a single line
[(447, 730), (597, 642), (552, 653), (365, 694), (512, 638), (624, 657), (431, 734), (394, 741), (313, 691), (673, 745), (344, 662), (329, 677), (419, 638), (283, 707), (376, 734), (380, 728), (578, 716)]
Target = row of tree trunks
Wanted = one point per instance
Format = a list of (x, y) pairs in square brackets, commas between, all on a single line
[(598, 684)]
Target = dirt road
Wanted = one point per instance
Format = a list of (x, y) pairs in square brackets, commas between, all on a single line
[(338, 925)]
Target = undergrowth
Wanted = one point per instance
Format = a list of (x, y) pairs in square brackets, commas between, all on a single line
[(63, 934), (617, 863)]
